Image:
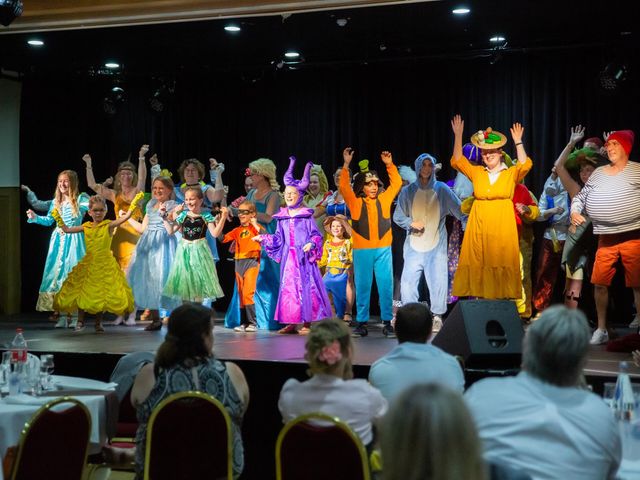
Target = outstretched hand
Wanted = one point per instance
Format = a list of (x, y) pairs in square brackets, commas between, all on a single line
[(143, 150), (386, 157), (517, 131), (31, 215), (457, 125), (577, 134), (347, 155)]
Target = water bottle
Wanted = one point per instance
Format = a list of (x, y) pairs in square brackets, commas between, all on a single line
[(18, 348), (623, 400)]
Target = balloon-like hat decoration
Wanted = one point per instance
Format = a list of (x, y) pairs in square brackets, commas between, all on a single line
[(300, 185)]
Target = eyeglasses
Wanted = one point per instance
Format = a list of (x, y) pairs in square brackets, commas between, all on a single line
[(244, 212)]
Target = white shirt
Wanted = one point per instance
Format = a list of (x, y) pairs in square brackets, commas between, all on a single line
[(547, 431), (411, 363), (493, 176), (560, 223), (353, 401)]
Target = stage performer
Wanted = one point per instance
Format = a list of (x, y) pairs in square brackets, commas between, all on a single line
[(489, 265), (554, 211), (422, 210), (297, 246), (580, 244), (526, 210), (316, 194), (154, 253), (611, 198), (193, 276), (65, 251), (337, 259), (127, 184), (370, 209), (97, 283), (247, 263), (266, 197)]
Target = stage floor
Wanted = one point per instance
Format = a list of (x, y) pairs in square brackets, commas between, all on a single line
[(262, 346)]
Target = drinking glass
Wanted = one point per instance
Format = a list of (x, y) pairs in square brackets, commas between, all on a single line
[(5, 368), (46, 369)]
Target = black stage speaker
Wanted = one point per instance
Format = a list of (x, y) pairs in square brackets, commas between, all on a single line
[(487, 334)]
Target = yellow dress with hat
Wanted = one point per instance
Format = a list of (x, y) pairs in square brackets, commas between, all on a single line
[(489, 265)]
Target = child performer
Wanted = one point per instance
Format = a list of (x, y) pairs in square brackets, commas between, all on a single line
[(149, 267), (65, 251), (371, 221), (193, 275), (247, 262), (297, 246), (337, 259), (96, 284)]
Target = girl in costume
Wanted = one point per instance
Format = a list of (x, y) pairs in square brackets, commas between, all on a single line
[(489, 265), (337, 260), (65, 251), (266, 197), (154, 254), (297, 246), (193, 275), (97, 283), (127, 184), (317, 192)]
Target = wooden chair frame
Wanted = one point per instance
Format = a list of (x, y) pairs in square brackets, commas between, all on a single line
[(335, 422), (181, 396)]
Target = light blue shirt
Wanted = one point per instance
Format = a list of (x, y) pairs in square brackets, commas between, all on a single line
[(560, 223), (411, 363), (547, 431)]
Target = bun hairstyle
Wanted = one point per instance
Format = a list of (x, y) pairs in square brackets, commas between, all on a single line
[(328, 349), (184, 342)]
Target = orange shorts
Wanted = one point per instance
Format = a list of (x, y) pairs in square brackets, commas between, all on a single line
[(624, 246)]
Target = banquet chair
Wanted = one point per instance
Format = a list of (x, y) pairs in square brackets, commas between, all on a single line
[(54, 442), (304, 441), (189, 436)]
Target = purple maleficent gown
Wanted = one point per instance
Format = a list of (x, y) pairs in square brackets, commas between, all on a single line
[(302, 297)]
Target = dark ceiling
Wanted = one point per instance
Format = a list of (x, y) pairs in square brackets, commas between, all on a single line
[(425, 30)]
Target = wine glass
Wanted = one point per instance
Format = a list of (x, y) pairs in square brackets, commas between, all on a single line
[(46, 369)]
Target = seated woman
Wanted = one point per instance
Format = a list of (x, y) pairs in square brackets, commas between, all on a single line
[(332, 388), (185, 362), (429, 434)]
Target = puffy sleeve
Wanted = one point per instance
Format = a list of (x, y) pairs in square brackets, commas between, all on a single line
[(180, 218), (83, 203)]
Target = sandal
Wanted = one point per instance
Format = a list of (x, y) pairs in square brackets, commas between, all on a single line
[(79, 326), (99, 328), (291, 328), (54, 317), (347, 317)]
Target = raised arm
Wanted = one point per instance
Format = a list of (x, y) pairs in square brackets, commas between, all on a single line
[(517, 131), (216, 229), (142, 168), (127, 215), (570, 185), (216, 195), (344, 184), (91, 181), (41, 205), (458, 160)]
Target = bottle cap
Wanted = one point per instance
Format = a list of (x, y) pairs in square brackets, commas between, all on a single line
[(19, 330)]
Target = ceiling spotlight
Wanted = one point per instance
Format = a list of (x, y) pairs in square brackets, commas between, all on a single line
[(460, 11), (497, 38), (342, 22), (9, 11), (35, 43), (382, 47), (232, 28), (613, 75), (291, 54), (117, 90), (112, 65)]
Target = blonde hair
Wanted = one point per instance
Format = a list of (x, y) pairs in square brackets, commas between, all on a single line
[(266, 168), (73, 192), (97, 199), (191, 161), (322, 180), (324, 334), (126, 165), (428, 434), (249, 205)]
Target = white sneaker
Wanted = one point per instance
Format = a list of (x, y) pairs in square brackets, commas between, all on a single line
[(437, 323), (240, 328), (62, 322), (599, 337), (635, 323)]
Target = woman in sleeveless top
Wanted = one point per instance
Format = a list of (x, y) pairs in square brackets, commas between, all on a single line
[(185, 362)]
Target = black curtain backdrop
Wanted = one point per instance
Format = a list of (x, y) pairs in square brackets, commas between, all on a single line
[(312, 113)]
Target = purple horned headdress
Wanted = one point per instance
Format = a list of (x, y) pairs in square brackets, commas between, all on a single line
[(300, 185)]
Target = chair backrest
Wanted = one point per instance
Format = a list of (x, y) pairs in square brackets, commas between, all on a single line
[(189, 436), (317, 446), (54, 442)]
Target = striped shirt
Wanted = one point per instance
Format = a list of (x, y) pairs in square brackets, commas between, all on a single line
[(611, 201)]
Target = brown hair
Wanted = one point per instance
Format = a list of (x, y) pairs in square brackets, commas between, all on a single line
[(191, 161), (322, 335), (126, 165)]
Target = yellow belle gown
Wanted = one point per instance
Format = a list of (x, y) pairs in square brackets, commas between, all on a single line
[(96, 284), (489, 265), (126, 237)]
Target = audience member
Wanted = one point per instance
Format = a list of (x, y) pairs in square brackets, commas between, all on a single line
[(543, 421), (331, 388), (414, 360)]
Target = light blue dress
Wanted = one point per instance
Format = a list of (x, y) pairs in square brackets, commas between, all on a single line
[(267, 285), (65, 250), (149, 267)]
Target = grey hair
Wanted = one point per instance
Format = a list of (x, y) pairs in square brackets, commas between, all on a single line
[(428, 433), (555, 346)]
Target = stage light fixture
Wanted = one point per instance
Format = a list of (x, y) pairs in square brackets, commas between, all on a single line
[(292, 54), (460, 11), (112, 65), (497, 38), (613, 76), (35, 43), (9, 11), (232, 28)]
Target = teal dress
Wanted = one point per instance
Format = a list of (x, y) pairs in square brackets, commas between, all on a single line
[(65, 250), (267, 284)]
